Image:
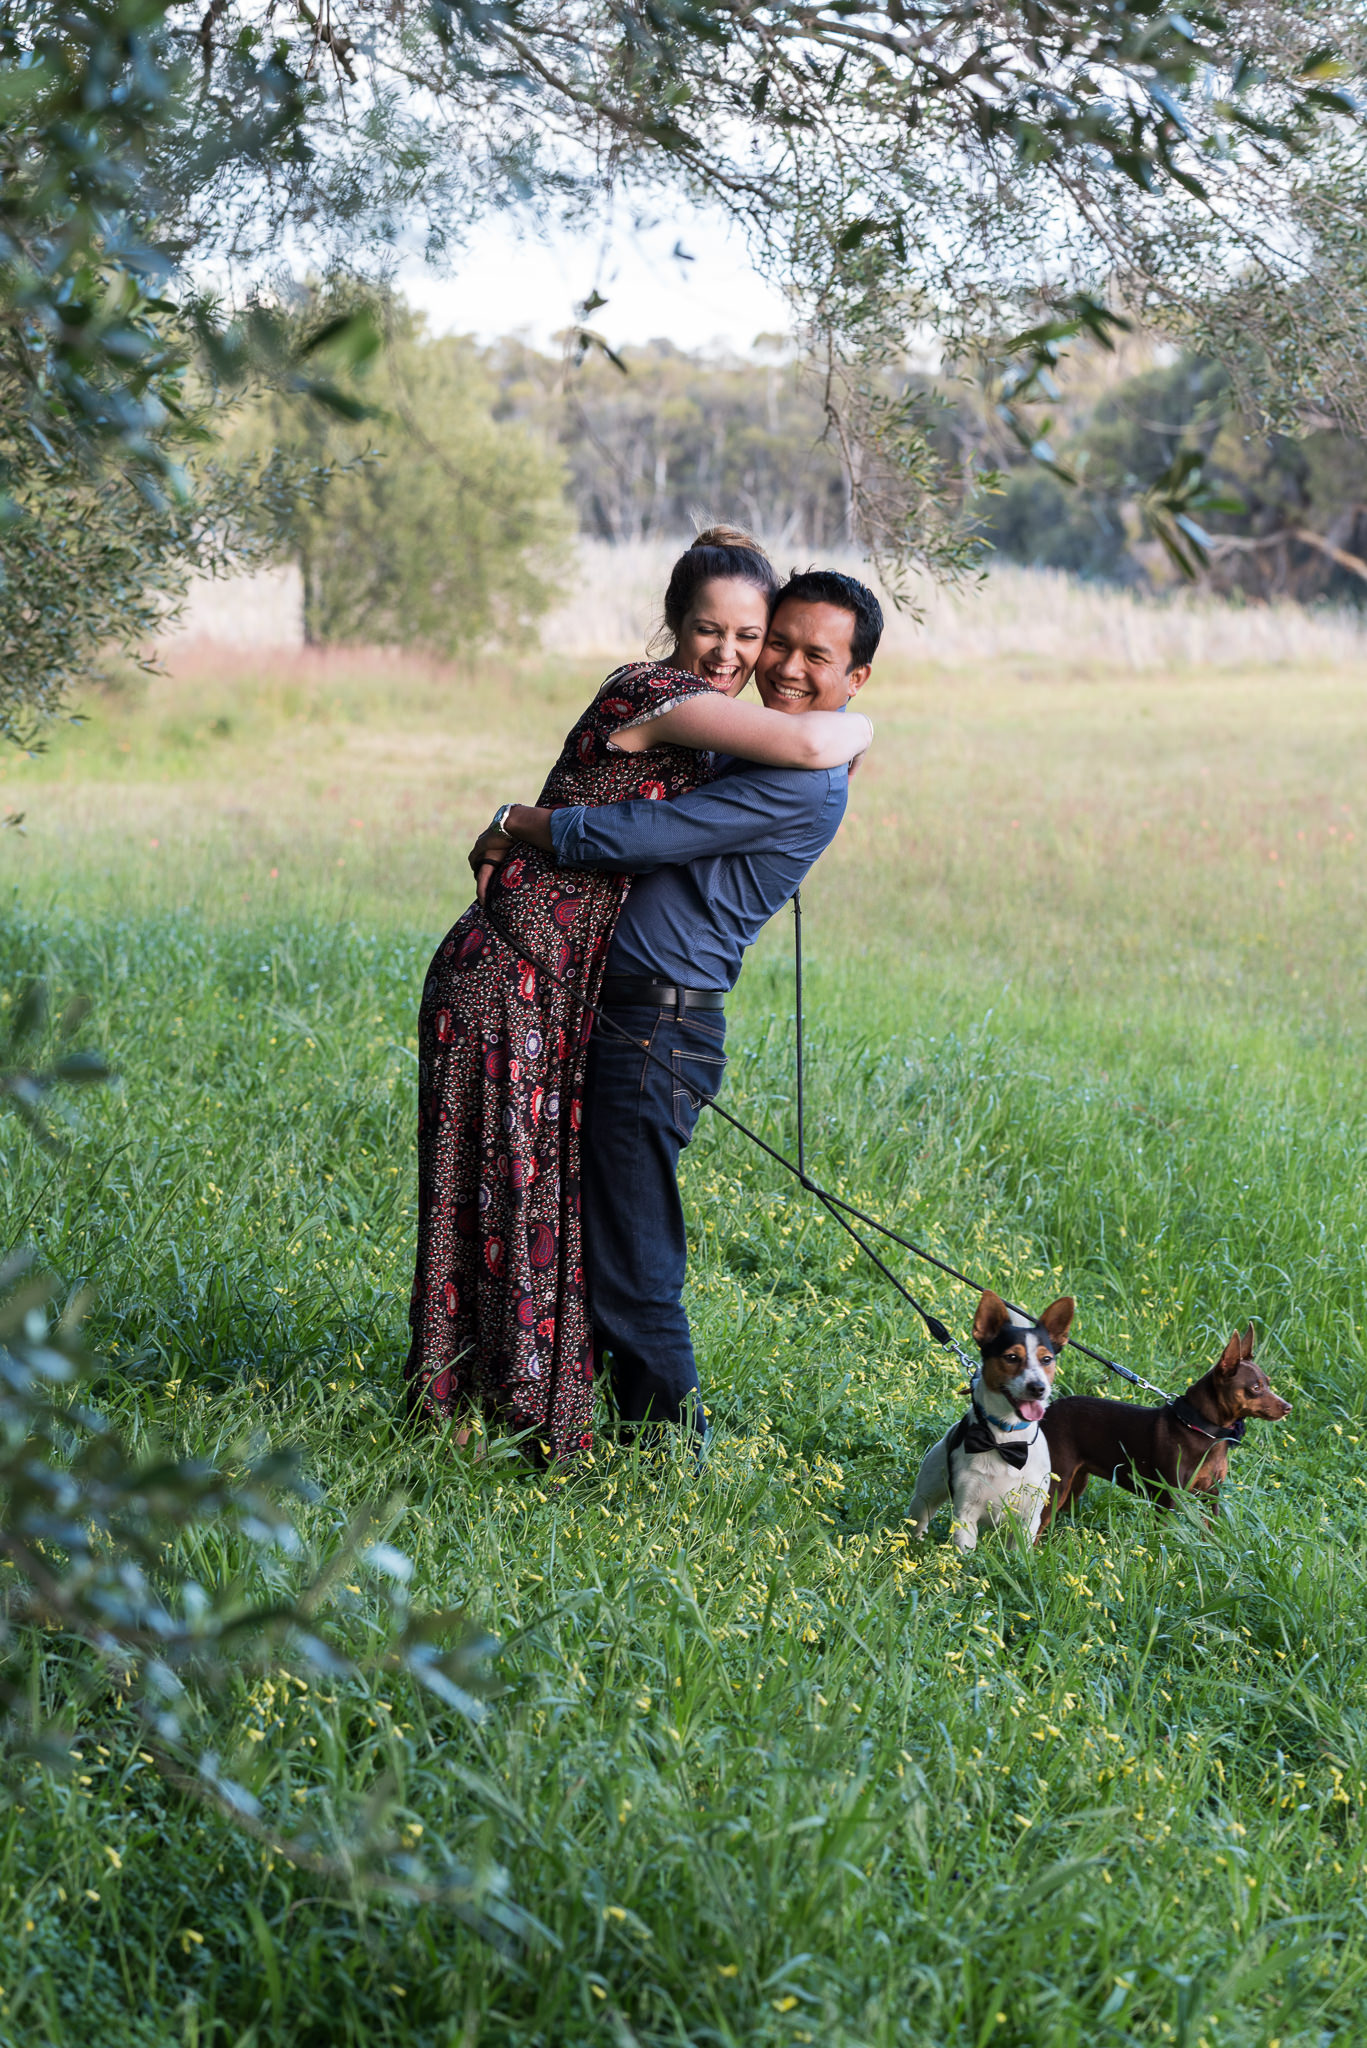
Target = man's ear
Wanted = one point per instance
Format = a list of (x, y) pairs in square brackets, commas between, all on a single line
[(857, 677)]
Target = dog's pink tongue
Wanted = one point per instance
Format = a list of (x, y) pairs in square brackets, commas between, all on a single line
[(1032, 1411)]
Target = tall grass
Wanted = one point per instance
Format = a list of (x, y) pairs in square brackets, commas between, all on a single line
[(766, 1772)]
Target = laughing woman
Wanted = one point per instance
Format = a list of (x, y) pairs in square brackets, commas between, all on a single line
[(500, 1324)]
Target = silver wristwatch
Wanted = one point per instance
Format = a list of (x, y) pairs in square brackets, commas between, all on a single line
[(500, 823)]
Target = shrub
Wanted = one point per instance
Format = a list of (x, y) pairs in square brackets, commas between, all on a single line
[(434, 525)]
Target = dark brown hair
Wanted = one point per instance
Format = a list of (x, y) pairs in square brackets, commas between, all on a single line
[(829, 586), (720, 553)]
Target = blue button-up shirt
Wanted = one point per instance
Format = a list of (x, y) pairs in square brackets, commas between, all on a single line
[(712, 867)]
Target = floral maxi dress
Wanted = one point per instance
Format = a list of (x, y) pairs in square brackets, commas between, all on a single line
[(499, 1316)]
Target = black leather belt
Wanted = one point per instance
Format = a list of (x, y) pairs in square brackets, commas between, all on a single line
[(659, 995)]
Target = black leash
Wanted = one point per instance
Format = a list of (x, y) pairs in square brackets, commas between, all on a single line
[(835, 1206)]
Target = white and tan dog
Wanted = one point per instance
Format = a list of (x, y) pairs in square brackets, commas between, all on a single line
[(996, 1458)]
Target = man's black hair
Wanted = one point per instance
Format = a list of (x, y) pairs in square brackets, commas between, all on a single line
[(828, 586)]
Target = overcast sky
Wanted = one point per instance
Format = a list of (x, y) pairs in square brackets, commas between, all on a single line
[(510, 282)]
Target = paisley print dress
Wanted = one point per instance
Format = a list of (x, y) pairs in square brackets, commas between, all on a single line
[(498, 1314)]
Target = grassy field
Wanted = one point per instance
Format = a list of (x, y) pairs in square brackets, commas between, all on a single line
[(1086, 1012)]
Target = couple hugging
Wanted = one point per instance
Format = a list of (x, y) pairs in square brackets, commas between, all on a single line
[(550, 1230)]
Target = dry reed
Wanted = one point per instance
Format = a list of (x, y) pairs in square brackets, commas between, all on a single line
[(1022, 617), (1018, 616)]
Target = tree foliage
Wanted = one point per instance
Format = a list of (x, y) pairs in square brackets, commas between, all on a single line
[(433, 524), (114, 367), (979, 171), (912, 169), (1288, 514)]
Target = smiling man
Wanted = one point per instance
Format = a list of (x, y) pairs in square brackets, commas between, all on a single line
[(712, 867)]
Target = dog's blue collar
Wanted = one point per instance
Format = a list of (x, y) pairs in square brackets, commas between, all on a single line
[(991, 1420)]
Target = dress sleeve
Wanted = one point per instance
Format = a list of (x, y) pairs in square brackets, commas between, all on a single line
[(641, 691)]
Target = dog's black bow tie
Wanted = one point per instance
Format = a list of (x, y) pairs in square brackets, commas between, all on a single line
[(974, 1433)]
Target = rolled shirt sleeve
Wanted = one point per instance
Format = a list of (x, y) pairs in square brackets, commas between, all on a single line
[(738, 813)]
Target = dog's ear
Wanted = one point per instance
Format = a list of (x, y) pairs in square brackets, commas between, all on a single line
[(1246, 1344), (1232, 1355), (1057, 1320), (990, 1318)]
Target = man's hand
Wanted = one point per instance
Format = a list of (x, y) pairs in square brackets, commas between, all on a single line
[(528, 825), (487, 854)]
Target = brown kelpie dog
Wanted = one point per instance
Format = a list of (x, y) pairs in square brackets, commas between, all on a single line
[(1183, 1448)]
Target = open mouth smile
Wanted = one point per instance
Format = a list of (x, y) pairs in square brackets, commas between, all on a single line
[(1031, 1410)]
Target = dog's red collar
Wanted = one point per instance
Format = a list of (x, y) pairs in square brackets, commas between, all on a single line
[(1191, 1418)]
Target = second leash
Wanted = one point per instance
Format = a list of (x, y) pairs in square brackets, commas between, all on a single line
[(833, 1204)]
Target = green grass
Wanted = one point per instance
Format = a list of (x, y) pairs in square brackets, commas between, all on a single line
[(765, 1772)]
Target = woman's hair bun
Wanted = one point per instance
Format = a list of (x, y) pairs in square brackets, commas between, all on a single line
[(723, 552), (727, 537)]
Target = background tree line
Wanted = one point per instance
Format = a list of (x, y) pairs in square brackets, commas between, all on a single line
[(672, 435), (442, 519), (1287, 515)]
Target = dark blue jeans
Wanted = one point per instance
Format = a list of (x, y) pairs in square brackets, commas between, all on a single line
[(638, 1116)]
